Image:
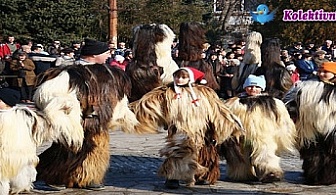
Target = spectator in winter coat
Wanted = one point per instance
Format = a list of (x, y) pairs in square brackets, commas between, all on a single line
[(306, 67), (119, 61)]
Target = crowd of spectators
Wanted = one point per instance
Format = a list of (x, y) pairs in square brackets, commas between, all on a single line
[(301, 60)]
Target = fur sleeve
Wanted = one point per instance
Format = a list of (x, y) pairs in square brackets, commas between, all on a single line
[(225, 122), (148, 110)]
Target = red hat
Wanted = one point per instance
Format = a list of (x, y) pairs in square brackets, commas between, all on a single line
[(195, 75)]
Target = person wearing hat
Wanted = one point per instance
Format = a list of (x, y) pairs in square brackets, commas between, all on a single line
[(314, 103), (269, 132), (94, 52), (327, 72), (24, 68), (66, 58), (319, 57), (196, 120), (307, 68), (254, 85), (187, 77), (8, 98)]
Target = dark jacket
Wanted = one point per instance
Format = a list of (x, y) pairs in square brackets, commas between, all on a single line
[(42, 62), (306, 68)]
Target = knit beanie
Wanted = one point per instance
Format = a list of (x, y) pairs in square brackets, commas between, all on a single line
[(194, 76), (329, 66), (93, 47), (10, 96), (253, 80)]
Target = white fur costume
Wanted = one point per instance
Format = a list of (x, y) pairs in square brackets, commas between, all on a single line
[(163, 54), (23, 129), (269, 131), (314, 102)]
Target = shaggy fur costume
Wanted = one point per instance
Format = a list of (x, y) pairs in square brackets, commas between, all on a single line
[(153, 64), (103, 105), (278, 79), (19, 139), (191, 45), (269, 131), (251, 61), (193, 131), (316, 126)]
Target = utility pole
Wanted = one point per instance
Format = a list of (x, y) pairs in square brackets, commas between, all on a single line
[(113, 21)]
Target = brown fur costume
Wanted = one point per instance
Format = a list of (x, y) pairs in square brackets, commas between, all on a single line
[(269, 131), (153, 64), (315, 105), (191, 45), (193, 131), (98, 89), (278, 79)]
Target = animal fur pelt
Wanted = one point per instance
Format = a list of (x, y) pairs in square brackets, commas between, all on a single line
[(19, 140), (278, 79), (316, 127), (192, 130), (251, 60), (164, 55), (269, 131), (252, 48), (191, 45), (97, 87), (153, 64)]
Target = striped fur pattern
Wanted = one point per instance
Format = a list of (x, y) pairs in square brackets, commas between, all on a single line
[(181, 163), (19, 140), (97, 87), (316, 128), (188, 130), (269, 131), (153, 64)]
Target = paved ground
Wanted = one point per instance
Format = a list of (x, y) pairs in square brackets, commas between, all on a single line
[(135, 160)]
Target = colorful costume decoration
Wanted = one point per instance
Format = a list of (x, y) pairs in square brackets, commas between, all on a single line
[(314, 104), (103, 105), (59, 120), (269, 131), (153, 64), (194, 129)]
